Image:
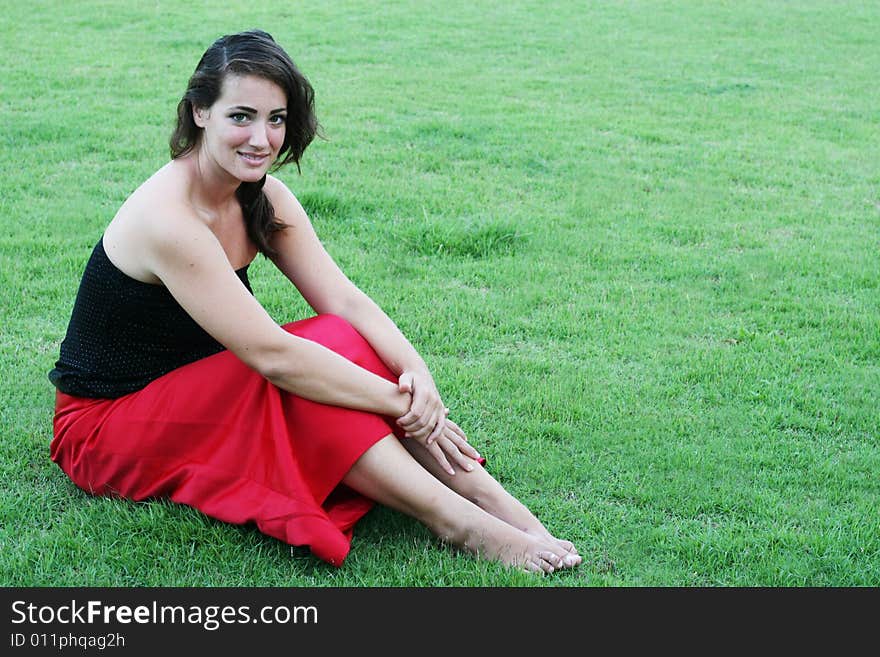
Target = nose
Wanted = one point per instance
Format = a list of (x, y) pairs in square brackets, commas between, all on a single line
[(259, 138)]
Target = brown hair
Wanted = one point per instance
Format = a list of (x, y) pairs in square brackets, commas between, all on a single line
[(250, 53)]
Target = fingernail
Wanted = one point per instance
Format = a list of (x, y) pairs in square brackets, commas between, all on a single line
[(470, 467)]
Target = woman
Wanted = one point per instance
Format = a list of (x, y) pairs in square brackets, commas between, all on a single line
[(173, 381)]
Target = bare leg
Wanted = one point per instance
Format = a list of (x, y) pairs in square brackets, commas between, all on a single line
[(483, 490), (388, 474)]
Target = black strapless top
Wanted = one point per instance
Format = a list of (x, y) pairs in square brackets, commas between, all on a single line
[(124, 333)]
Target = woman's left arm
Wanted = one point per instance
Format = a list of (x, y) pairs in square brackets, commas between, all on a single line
[(301, 257)]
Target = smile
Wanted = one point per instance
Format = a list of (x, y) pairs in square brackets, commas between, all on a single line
[(253, 158)]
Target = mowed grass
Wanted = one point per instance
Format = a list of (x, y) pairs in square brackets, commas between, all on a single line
[(636, 242)]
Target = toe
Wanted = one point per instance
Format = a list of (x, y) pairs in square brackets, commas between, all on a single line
[(552, 558), (572, 559), (532, 568)]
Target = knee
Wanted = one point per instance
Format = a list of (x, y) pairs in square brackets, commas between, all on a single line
[(337, 333), (341, 335), (337, 324), (327, 329)]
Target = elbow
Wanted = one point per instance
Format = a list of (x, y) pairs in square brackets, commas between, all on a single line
[(275, 368), (271, 371), (276, 363)]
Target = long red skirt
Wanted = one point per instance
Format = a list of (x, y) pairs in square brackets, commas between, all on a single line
[(217, 436)]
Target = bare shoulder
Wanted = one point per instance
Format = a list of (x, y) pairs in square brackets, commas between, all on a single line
[(154, 217), (287, 207), (275, 188)]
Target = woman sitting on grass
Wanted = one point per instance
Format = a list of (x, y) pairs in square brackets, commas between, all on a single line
[(173, 381)]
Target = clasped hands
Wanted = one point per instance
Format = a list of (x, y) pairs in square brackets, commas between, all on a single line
[(427, 422)]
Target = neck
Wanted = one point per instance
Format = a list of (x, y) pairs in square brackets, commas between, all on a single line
[(212, 188)]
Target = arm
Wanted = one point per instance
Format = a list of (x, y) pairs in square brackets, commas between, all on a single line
[(191, 263), (303, 260)]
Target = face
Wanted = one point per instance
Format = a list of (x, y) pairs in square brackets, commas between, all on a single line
[(244, 129)]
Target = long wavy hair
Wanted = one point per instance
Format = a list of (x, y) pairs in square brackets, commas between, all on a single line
[(250, 53)]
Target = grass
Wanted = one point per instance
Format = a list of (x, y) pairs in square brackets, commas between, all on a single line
[(636, 242)]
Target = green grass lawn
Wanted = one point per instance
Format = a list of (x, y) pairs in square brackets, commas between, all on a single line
[(637, 243)]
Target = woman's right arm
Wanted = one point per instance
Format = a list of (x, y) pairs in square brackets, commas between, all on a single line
[(192, 265)]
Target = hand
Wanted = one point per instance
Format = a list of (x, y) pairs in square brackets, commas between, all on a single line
[(452, 444), (426, 417)]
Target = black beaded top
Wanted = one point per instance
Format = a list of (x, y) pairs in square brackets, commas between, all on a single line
[(124, 333)]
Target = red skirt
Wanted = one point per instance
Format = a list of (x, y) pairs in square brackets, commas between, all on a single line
[(217, 436)]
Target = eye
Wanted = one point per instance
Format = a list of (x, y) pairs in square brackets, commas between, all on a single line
[(238, 117), (278, 119)]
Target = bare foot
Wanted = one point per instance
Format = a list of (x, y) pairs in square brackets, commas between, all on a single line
[(570, 556), (482, 489), (507, 508), (513, 547), (494, 539)]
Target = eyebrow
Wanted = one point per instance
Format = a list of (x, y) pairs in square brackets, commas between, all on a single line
[(245, 108)]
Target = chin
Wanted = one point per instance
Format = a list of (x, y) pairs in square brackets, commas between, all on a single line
[(252, 176)]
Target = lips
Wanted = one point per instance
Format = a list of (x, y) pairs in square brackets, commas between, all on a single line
[(255, 159)]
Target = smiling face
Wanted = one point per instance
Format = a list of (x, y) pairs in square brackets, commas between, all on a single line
[(244, 129)]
